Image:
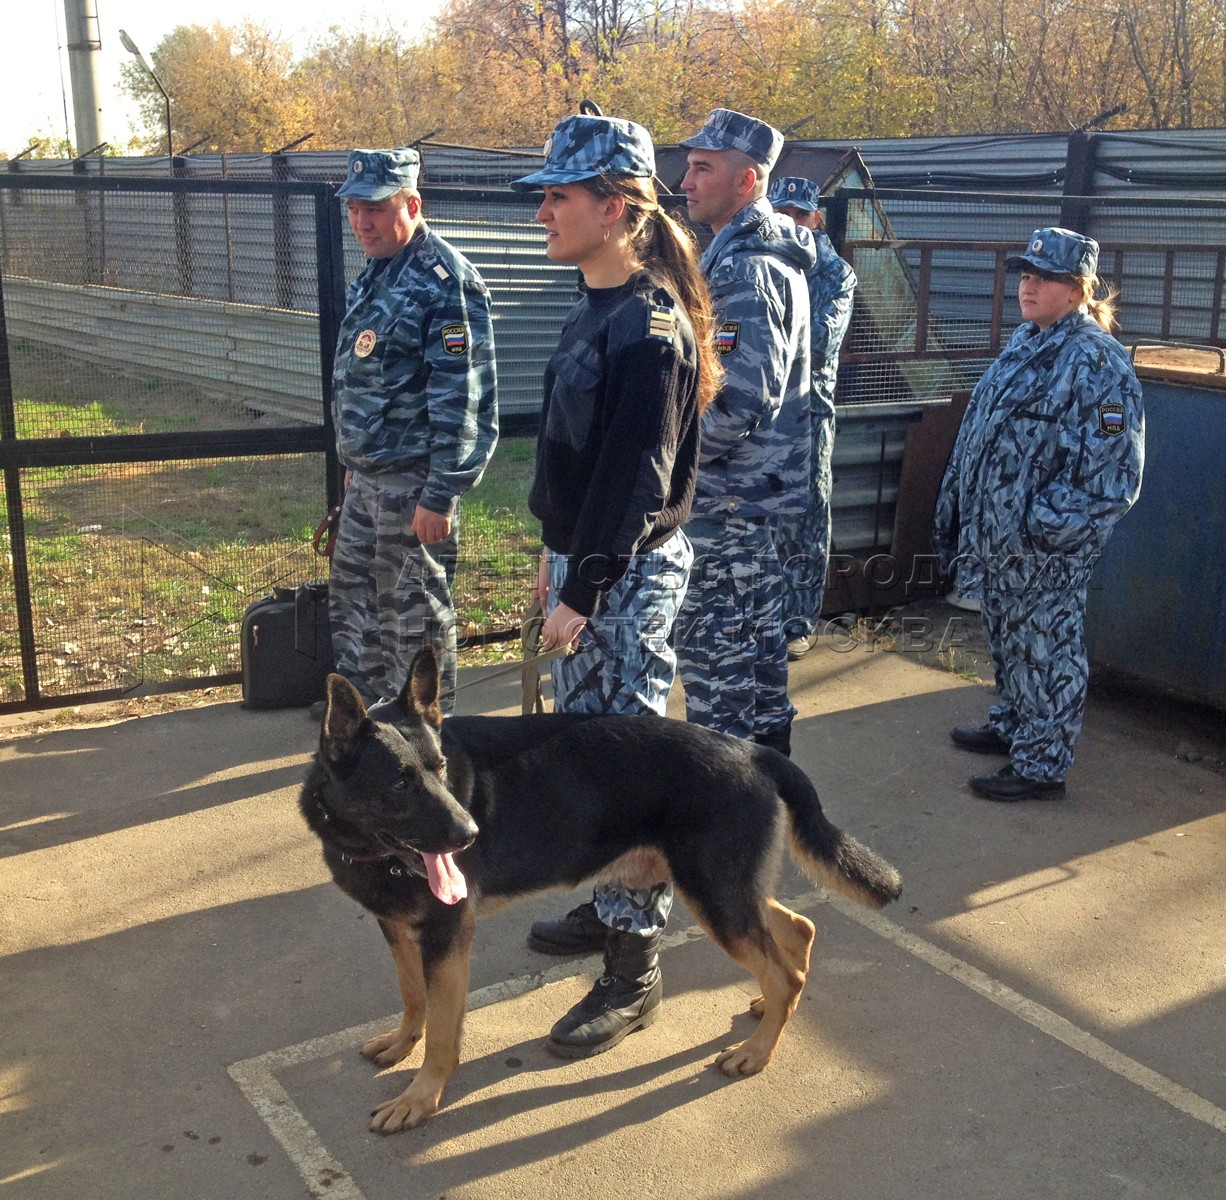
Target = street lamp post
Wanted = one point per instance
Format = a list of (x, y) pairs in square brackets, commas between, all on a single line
[(133, 49)]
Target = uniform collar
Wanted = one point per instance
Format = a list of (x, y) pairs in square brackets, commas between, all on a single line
[(747, 219)]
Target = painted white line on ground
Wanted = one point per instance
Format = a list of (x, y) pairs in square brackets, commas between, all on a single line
[(1041, 1018), (325, 1177), (256, 1077), (322, 1174)]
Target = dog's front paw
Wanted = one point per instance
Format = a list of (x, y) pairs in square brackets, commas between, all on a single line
[(413, 1106), (738, 1061), (389, 1048)]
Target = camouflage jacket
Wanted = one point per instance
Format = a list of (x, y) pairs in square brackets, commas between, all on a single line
[(1048, 457), (832, 283), (756, 432), (413, 385)]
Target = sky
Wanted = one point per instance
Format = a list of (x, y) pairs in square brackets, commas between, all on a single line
[(34, 76)]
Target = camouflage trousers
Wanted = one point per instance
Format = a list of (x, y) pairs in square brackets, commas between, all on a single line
[(802, 540), (388, 595), (1037, 643), (625, 664), (729, 637)]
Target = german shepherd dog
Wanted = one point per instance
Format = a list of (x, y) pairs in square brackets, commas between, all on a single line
[(429, 824)]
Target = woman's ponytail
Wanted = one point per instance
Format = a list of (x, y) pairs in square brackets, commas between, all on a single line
[(669, 252), (1102, 309)]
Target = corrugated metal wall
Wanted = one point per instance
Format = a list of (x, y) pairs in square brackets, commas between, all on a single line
[(159, 254)]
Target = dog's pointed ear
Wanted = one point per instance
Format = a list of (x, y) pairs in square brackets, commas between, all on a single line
[(421, 689), (344, 719)]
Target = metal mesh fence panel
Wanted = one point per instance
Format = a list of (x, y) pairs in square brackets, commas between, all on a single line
[(146, 352), (163, 427), (140, 572), (934, 303)]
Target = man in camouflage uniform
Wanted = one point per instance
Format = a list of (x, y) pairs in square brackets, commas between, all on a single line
[(415, 411), (803, 541), (756, 435), (1048, 457)]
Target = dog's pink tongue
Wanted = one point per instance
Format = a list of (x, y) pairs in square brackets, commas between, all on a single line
[(446, 879)]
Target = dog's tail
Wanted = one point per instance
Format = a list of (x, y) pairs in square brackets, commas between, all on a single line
[(825, 853)]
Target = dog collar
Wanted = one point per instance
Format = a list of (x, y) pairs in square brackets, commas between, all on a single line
[(354, 858), (396, 868)]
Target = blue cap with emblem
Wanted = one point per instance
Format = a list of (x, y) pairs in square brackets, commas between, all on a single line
[(582, 147), (725, 129), (794, 191), (377, 174), (1060, 251)]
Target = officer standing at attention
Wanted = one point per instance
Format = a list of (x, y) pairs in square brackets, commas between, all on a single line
[(415, 409), (756, 433), (616, 464), (1048, 457), (803, 542)]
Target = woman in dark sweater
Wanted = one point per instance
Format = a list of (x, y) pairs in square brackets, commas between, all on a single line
[(617, 458)]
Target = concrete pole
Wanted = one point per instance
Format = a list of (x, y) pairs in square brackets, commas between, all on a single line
[(84, 51)]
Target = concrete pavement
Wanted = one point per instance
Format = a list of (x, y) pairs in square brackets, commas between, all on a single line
[(1043, 1014)]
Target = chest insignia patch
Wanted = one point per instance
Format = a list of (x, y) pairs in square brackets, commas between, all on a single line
[(1111, 419), (365, 343), (662, 324), (455, 339), (727, 338)]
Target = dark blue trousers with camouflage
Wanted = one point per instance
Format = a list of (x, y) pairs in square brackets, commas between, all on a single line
[(1037, 642), (625, 664), (388, 595), (803, 539), (730, 640)]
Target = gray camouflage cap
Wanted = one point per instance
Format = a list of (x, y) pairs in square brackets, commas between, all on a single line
[(1060, 251), (794, 191), (583, 147), (377, 174), (725, 129)]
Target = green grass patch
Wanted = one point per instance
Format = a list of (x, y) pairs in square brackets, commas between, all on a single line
[(141, 572)]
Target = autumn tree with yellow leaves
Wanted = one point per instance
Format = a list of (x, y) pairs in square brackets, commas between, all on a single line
[(502, 72)]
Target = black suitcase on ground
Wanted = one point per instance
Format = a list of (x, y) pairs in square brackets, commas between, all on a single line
[(287, 648)]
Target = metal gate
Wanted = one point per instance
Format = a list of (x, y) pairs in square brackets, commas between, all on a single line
[(153, 484), (165, 436)]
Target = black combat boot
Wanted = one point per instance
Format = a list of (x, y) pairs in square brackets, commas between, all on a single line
[(579, 932), (625, 998), (777, 739)]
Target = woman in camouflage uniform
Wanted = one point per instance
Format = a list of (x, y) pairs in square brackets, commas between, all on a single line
[(617, 459), (1048, 458)]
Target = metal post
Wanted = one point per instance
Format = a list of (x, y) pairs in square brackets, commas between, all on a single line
[(1078, 182), (16, 521), (836, 219), (282, 241), (330, 257), (84, 52)]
